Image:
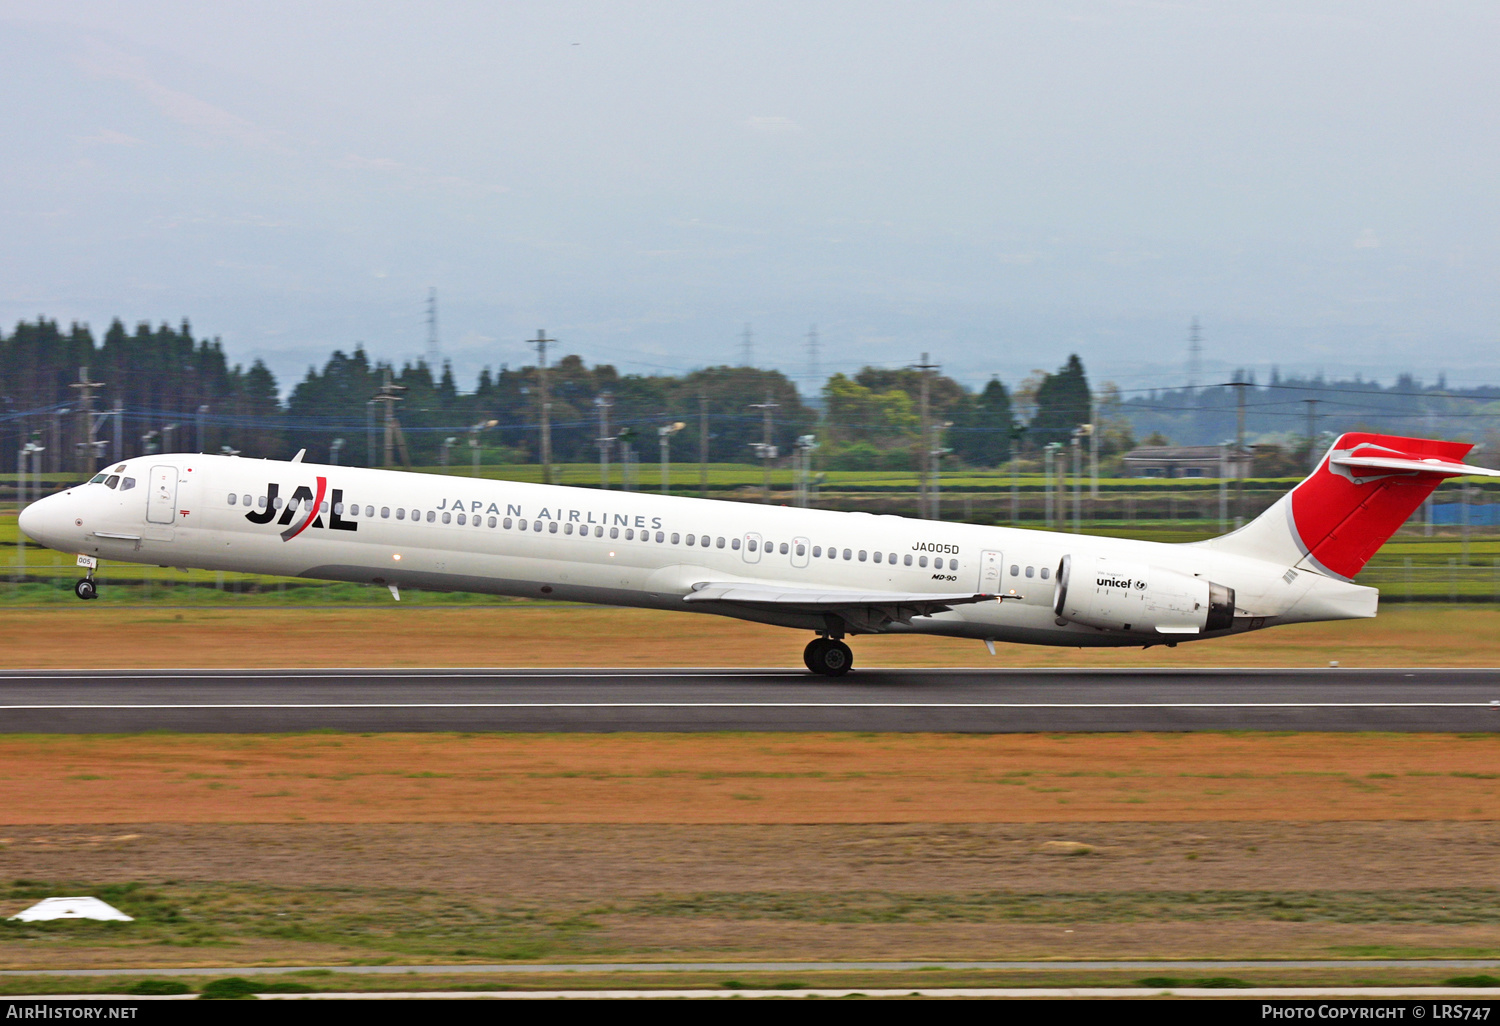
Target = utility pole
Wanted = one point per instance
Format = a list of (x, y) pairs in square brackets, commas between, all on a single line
[(1239, 456), (924, 458), (390, 395), (86, 399), (1195, 357), (814, 365), (540, 342), (703, 446), (747, 347), (602, 402), (119, 415), (766, 450), (1312, 434)]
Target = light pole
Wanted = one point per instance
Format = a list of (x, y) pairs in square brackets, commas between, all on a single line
[(32, 452), (764, 449), (937, 481), (334, 448), (448, 443), (603, 402), (1049, 462), (474, 430), (664, 438), (802, 464)]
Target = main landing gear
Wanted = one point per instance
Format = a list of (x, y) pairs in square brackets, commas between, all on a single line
[(828, 656)]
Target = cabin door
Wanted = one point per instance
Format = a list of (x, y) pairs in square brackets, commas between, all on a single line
[(991, 572), (161, 499)]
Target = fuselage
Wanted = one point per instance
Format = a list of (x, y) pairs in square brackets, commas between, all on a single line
[(432, 532)]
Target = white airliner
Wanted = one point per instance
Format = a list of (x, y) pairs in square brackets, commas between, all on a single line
[(834, 574)]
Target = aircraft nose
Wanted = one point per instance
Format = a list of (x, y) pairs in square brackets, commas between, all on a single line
[(41, 521), (30, 521)]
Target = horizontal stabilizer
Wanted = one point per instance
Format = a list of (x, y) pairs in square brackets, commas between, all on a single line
[(1409, 465)]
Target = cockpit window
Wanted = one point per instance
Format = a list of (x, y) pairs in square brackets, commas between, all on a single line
[(96, 479), (113, 480), (127, 483)]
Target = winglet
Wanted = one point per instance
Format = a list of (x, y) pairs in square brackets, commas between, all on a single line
[(298, 458)]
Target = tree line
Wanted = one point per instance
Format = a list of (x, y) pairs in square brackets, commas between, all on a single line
[(160, 388)]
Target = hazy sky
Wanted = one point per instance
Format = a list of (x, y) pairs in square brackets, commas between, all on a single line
[(999, 184)]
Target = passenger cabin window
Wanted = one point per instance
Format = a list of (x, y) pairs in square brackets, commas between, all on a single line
[(431, 516), (817, 551), (506, 523), (878, 557), (734, 544), (369, 511), (614, 532), (782, 548), (922, 561), (1031, 571), (753, 544), (848, 554), (401, 513), (675, 536), (1046, 572), (233, 498), (661, 536), (552, 527), (492, 521), (801, 549), (719, 544), (1015, 570), (385, 512), (690, 540)]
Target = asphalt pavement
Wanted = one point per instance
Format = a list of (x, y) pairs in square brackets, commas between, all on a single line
[(259, 701)]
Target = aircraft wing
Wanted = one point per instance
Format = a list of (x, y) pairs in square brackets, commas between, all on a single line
[(866, 610)]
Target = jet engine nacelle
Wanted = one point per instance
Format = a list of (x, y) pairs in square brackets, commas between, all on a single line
[(1116, 595)]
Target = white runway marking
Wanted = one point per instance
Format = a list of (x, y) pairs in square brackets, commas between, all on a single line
[(763, 705)]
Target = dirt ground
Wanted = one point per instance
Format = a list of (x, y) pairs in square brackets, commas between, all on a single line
[(747, 778), (85, 636), (647, 893)]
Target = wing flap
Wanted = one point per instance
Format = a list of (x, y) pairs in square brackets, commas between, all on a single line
[(863, 610)]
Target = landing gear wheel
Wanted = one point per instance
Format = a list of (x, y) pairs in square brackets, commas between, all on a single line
[(85, 589), (828, 657), (811, 653)]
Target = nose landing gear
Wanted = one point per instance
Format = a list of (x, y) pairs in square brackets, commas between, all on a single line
[(828, 656), (87, 588)]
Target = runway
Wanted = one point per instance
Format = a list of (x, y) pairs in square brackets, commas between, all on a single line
[(984, 701)]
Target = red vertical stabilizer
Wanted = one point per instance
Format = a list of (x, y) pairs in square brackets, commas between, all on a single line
[(1363, 490)]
